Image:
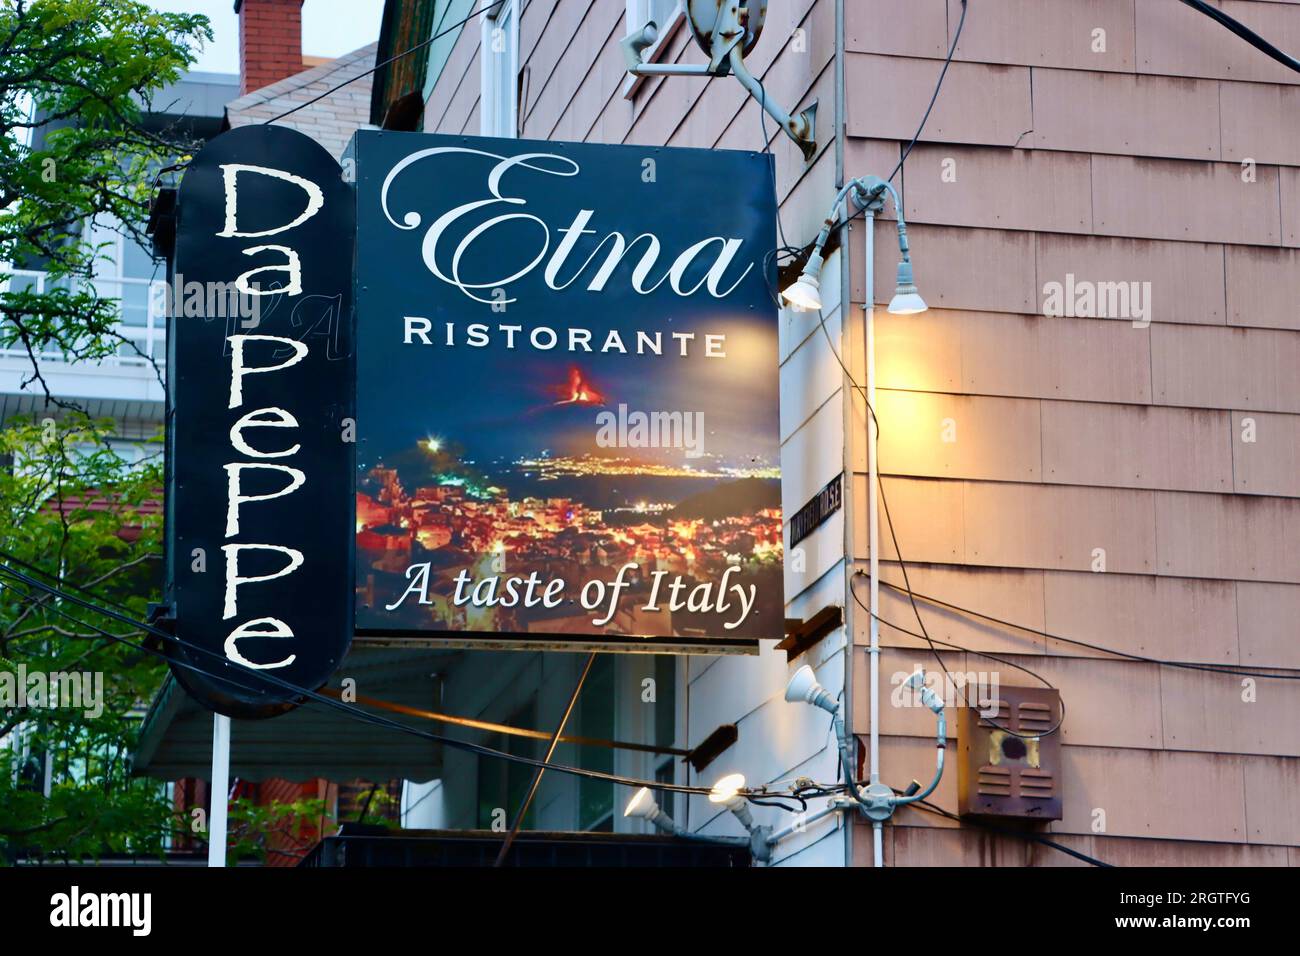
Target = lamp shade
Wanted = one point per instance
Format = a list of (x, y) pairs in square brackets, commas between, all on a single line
[(803, 686), (906, 300), (642, 805), (804, 689), (804, 293)]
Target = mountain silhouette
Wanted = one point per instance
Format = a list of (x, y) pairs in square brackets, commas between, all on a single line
[(743, 497)]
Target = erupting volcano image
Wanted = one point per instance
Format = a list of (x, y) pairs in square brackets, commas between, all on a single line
[(578, 390)]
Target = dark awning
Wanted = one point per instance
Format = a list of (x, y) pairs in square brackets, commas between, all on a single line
[(312, 741), (461, 848)]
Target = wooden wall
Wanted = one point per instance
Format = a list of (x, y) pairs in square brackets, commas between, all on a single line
[(1083, 433)]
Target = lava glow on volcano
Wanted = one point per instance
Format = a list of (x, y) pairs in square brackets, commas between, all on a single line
[(579, 390)]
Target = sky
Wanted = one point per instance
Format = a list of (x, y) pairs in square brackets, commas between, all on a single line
[(329, 28)]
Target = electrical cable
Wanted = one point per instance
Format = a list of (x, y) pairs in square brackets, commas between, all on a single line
[(935, 96), (1007, 831), (912, 595), (1235, 26), (378, 66), (884, 501), (1228, 22), (967, 650), (925, 634), (767, 149), (63, 582), (351, 711), (550, 753), (1243, 31), (506, 729), (762, 795), (1225, 669), (759, 797), (907, 150), (791, 251), (760, 802)]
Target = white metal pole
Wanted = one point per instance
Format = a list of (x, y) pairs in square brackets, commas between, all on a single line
[(799, 825), (873, 527), (220, 790)]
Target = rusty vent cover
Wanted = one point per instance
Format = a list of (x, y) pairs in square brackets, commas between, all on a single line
[(1001, 775)]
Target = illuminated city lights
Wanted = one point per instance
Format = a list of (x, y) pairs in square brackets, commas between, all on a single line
[(461, 521)]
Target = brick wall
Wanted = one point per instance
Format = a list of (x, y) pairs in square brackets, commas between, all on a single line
[(270, 42)]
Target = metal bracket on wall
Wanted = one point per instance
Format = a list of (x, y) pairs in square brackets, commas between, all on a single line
[(726, 32), (801, 635), (161, 616), (161, 225), (712, 746)]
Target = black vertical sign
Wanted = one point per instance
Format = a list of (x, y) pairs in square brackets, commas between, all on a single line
[(260, 390)]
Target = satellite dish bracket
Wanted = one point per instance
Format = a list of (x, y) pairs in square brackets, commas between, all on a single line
[(727, 32)]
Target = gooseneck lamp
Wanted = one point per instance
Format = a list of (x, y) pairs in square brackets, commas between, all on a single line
[(725, 792), (643, 806), (876, 800), (804, 293)]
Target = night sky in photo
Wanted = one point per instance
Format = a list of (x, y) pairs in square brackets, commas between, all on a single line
[(499, 402)]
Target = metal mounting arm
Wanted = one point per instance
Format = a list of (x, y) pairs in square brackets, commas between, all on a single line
[(726, 32), (799, 128)]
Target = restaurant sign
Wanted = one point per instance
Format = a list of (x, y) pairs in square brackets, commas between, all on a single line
[(259, 388), (567, 394), (471, 391)]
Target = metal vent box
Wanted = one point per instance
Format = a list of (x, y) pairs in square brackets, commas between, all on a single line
[(1004, 776)]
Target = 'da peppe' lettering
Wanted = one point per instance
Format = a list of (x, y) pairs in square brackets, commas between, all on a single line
[(267, 416), (254, 421)]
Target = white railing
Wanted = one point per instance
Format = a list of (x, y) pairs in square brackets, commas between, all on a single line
[(143, 329)]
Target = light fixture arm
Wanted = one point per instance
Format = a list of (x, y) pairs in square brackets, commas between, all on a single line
[(876, 800), (726, 33), (941, 745), (644, 806), (846, 756), (833, 805), (758, 841), (880, 800), (804, 294), (800, 128), (868, 192)]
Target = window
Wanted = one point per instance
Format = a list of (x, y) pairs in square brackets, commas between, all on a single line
[(667, 15), (662, 12), (499, 63), (503, 784), (596, 719), (131, 451), (126, 272), (666, 726)]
